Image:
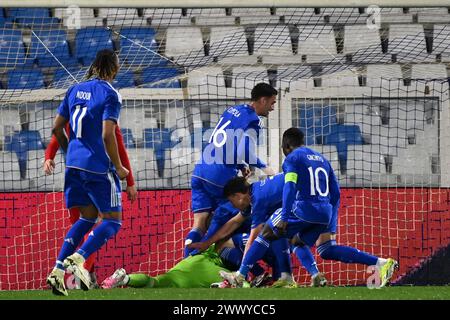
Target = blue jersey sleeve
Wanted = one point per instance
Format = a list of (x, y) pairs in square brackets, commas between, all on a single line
[(290, 187), (335, 192), (113, 104), (63, 109)]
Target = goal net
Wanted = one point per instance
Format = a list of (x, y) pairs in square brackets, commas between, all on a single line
[(368, 86)]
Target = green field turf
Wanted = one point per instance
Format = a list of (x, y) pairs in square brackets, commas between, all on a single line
[(330, 293)]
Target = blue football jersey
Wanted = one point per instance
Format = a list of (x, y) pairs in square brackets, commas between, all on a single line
[(86, 106), (317, 187), (232, 145), (266, 197)]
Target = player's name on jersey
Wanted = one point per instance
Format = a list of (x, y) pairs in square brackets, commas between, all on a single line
[(235, 112), (83, 95), (313, 157)]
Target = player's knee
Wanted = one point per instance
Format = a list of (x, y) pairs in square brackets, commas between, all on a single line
[(113, 226), (326, 251)]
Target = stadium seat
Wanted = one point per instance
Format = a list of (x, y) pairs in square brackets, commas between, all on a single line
[(347, 78), (214, 12), (21, 142), (363, 44), (441, 41), (228, 42), (55, 41), (124, 79), (9, 122), (12, 51), (362, 161), (428, 71), (25, 79), (62, 79), (89, 41), (363, 115), (32, 16), (128, 138), (179, 164), (183, 41), (316, 122), (245, 78), (86, 17), (42, 118), (407, 42), (299, 16), (295, 77), (414, 165), (155, 74), (145, 169), (343, 15), (317, 45), (34, 164), (159, 140), (135, 119), (175, 118), (341, 136), (206, 81), (9, 169), (138, 47), (390, 139), (273, 41), (387, 76)]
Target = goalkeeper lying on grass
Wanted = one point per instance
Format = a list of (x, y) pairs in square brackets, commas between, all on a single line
[(198, 271)]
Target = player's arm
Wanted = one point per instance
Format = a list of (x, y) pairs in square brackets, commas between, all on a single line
[(110, 118), (50, 152), (131, 188), (61, 119), (247, 149), (335, 192), (289, 192), (253, 235), (227, 229)]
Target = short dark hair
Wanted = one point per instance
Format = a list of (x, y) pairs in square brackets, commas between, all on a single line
[(105, 65), (263, 90), (293, 137), (236, 185)]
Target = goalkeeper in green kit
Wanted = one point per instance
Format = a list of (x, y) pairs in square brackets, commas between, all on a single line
[(198, 271)]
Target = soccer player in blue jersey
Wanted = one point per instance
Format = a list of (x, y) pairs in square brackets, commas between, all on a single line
[(309, 205), (231, 147), (93, 167), (256, 203)]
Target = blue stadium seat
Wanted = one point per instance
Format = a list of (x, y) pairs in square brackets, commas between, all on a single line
[(29, 16), (89, 41), (62, 79), (128, 138), (341, 136), (55, 41), (22, 142), (154, 74), (12, 51), (316, 122), (25, 79), (138, 47), (159, 140), (124, 80)]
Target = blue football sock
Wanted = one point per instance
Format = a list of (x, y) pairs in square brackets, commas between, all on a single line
[(195, 235), (331, 251), (257, 270), (99, 236), (306, 258), (233, 256), (73, 239), (256, 252), (282, 254)]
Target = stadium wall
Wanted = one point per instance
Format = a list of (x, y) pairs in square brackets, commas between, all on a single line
[(408, 224)]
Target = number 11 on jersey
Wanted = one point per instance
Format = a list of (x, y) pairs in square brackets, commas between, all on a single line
[(77, 124)]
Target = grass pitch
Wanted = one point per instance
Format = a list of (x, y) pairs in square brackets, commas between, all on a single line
[(328, 293)]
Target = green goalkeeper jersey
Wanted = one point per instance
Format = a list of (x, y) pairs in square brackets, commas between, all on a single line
[(197, 271)]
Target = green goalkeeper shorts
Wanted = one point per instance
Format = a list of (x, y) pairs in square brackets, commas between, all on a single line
[(197, 271)]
